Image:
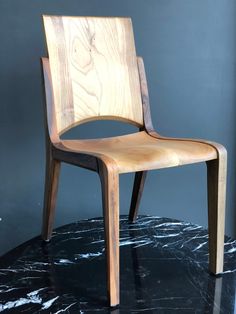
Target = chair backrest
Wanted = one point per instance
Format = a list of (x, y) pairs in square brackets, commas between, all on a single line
[(94, 70)]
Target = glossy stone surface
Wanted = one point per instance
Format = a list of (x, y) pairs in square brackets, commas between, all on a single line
[(163, 270)]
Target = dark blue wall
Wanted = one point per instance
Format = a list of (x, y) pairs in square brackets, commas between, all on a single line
[(189, 51)]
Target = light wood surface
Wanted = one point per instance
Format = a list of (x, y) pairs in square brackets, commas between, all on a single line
[(110, 197), (140, 151), (94, 74), (216, 182), (94, 69)]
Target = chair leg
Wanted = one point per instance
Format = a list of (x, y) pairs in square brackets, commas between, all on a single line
[(50, 194), (139, 181), (216, 184), (110, 197)]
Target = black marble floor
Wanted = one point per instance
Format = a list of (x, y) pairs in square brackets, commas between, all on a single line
[(163, 270)]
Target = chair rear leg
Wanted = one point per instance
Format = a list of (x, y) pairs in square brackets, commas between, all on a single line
[(216, 184), (50, 194), (139, 181), (110, 197)]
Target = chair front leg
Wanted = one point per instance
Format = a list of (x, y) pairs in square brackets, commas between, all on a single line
[(139, 181), (216, 184), (110, 197), (50, 194)]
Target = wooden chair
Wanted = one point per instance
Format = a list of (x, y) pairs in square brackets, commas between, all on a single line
[(93, 73)]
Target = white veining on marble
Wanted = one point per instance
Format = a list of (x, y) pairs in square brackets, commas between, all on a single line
[(63, 261), (158, 255), (65, 309), (200, 246), (88, 255), (47, 304), (31, 297), (166, 235)]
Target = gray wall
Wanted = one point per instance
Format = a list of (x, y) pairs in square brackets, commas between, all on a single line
[(189, 52)]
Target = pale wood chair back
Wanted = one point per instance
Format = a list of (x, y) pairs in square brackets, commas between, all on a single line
[(94, 70), (94, 74)]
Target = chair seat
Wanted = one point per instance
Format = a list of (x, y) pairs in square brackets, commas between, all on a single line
[(93, 73), (140, 151)]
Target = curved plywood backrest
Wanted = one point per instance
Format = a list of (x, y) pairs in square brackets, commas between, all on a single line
[(94, 70)]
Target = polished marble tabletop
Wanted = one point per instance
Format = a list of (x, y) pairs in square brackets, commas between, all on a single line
[(164, 269)]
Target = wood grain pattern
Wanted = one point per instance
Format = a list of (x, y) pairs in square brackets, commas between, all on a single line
[(140, 151), (110, 195), (94, 74), (216, 183), (50, 111), (148, 126), (94, 69), (216, 178), (52, 170)]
